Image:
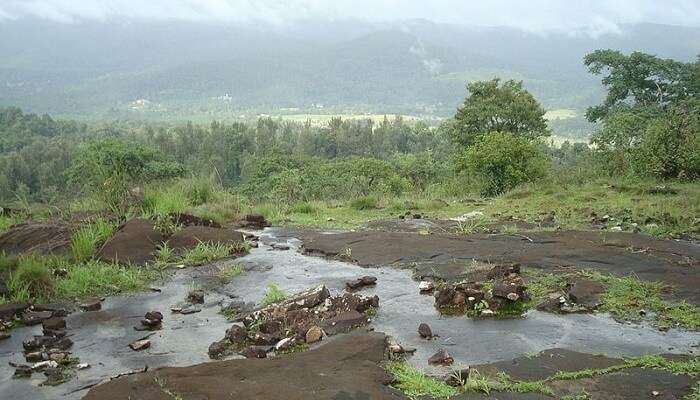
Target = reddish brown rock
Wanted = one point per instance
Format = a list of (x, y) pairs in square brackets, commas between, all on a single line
[(134, 243)]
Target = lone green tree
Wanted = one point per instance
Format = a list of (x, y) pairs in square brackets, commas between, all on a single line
[(495, 132), (649, 124), (493, 106)]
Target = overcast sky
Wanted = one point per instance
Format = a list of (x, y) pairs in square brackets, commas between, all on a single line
[(591, 16)]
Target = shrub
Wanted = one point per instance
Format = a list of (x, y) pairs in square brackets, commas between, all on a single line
[(27, 277), (503, 160), (165, 200), (364, 203)]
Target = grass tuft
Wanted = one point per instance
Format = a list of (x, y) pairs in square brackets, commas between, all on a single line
[(207, 252), (364, 203), (414, 383), (98, 279), (273, 295), (85, 241)]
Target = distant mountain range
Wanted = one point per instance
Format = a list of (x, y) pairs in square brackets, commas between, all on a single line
[(117, 69)]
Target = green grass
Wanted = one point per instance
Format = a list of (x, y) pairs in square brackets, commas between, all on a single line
[(694, 392), (625, 297), (302, 208), (229, 272), (163, 200), (364, 203), (414, 383), (85, 241), (7, 221), (27, 277), (99, 279), (207, 252), (297, 348), (273, 295), (573, 204)]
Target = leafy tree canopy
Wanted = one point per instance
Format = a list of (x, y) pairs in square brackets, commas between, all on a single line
[(494, 106), (640, 80)]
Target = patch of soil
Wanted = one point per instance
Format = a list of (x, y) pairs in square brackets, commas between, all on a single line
[(672, 262), (188, 237), (134, 243), (346, 368), (36, 237)]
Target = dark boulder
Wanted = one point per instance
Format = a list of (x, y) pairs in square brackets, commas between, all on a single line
[(134, 243), (442, 357), (424, 331), (361, 282), (36, 237)]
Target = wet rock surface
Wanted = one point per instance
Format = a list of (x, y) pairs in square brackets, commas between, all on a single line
[(36, 237), (134, 243), (347, 368), (101, 338), (445, 256)]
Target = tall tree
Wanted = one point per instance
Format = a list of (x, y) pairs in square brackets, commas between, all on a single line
[(492, 106)]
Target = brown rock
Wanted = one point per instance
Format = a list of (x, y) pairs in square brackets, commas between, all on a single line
[(35, 317), (314, 334), (442, 357), (424, 331), (236, 334), (9, 310), (586, 292), (134, 243), (54, 324), (361, 282), (254, 352), (443, 298), (140, 344), (217, 350), (36, 237), (91, 305), (196, 296)]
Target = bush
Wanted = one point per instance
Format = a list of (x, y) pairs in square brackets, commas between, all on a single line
[(503, 160), (27, 277), (163, 200), (364, 203)]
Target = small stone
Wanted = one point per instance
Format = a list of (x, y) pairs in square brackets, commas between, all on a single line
[(314, 334), (217, 350), (236, 334), (58, 357), (442, 357), (191, 309), (426, 286), (424, 331), (487, 313), (35, 356), (616, 229), (54, 324), (140, 344), (254, 352), (284, 344), (82, 366), (512, 296), (42, 365), (91, 305), (155, 289), (361, 282), (655, 393)]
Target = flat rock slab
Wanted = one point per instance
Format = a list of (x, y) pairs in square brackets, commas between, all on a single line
[(668, 261), (632, 383), (36, 237), (134, 243), (346, 368), (190, 236)]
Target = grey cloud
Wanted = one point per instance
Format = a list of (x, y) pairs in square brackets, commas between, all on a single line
[(590, 17)]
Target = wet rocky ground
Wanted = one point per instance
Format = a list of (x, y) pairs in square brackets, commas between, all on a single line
[(348, 365)]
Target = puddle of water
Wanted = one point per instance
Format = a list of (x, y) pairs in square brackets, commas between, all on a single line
[(102, 338)]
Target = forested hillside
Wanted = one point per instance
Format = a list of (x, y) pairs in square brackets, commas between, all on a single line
[(237, 72)]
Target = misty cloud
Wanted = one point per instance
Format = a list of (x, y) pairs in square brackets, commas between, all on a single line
[(590, 17)]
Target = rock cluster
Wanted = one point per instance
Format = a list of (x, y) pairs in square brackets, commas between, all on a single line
[(507, 289), (301, 319)]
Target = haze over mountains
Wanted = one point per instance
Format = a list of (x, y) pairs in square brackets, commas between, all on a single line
[(136, 68)]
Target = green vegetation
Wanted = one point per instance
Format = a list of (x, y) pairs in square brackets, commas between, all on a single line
[(414, 383), (207, 252), (85, 241), (273, 295), (364, 203), (626, 297), (228, 272), (99, 279)]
